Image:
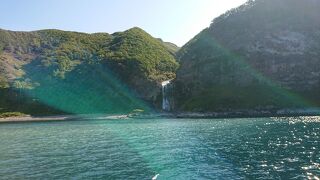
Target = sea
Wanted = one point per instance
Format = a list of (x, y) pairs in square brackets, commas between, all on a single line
[(141, 148)]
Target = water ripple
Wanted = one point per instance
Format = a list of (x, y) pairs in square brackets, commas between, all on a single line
[(262, 148)]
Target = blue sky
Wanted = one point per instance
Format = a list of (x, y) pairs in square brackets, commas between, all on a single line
[(176, 21)]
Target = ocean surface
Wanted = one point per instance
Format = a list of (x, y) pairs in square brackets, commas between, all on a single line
[(104, 148)]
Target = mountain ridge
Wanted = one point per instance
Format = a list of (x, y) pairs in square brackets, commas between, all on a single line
[(261, 55)]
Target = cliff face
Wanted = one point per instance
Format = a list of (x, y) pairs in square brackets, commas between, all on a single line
[(264, 54), (83, 73)]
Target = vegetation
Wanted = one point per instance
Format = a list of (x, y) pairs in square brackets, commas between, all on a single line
[(11, 114), (3, 82), (123, 68), (262, 55), (155, 60)]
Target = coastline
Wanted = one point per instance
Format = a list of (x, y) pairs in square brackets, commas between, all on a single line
[(179, 115), (28, 118), (250, 113), (36, 118)]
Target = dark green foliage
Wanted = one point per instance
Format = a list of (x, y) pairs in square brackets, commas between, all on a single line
[(262, 55), (12, 100), (136, 53), (70, 61), (170, 46), (63, 51)]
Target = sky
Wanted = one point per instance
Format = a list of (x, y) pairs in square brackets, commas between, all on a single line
[(175, 21)]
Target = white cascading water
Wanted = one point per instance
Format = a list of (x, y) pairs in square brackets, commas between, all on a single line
[(165, 98)]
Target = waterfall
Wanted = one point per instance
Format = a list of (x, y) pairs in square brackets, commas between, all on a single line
[(165, 95)]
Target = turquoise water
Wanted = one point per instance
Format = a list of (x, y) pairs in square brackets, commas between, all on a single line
[(261, 148)]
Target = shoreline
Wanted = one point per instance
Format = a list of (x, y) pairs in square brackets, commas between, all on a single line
[(29, 118), (234, 115), (251, 113), (37, 118), (178, 115)]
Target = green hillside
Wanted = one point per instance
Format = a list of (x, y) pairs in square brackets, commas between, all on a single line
[(82, 73), (262, 55)]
